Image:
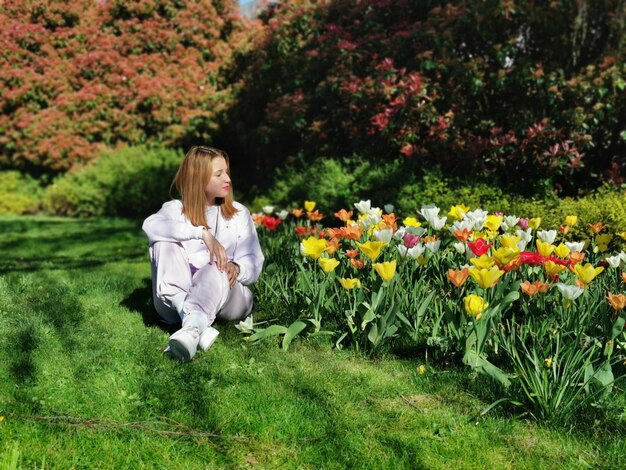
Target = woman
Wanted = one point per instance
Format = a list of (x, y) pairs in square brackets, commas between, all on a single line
[(204, 252)]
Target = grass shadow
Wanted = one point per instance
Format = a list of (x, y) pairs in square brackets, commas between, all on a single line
[(140, 301)]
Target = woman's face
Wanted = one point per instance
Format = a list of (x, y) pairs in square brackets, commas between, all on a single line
[(219, 185)]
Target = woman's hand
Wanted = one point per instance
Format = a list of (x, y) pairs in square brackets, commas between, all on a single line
[(232, 271), (216, 250)]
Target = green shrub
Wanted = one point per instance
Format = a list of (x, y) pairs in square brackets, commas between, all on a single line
[(334, 183), (20, 194), (130, 182)]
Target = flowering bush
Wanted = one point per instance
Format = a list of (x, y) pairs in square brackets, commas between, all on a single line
[(80, 76), (519, 90), (523, 304)]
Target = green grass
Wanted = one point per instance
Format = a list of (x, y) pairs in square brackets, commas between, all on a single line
[(85, 383)]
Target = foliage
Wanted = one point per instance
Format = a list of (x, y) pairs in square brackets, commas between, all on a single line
[(531, 92), (20, 194), (79, 77), (129, 182)]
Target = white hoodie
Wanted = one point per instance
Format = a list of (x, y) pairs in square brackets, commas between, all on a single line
[(237, 235)]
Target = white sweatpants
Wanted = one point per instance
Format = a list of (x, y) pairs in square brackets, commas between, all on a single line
[(179, 290)]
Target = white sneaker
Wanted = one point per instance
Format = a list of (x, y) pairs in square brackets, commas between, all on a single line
[(246, 325), (184, 343), (207, 338)]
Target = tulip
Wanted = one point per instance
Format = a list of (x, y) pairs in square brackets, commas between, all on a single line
[(597, 227), (459, 247), (430, 213), (333, 246), (432, 245), (534, 223), (267, 209), (462, 235), (457, 212), (576, 257), (575, 246), (328, 264), (483, 262), (313, 247), (388, 208), (510, 221), (509, 241), (315, 216), (309, 205), (283, 214), (371, 249), (547, 236), (349, 283), (343, 215), (409, 240), (477, 217), (534, 288), (624, 277), (437, 223), (416, 252), (553, 269), (383, 235), (564, 229), (622, 234), (363, 206), (493, 222), (504, 255), (386, 270), (615, 261), (569, 293), (479, 247), (475, 305), (617, 301), (486, 278), (571, 220), (411, 222), (297, 213), (458, 277), (562, 251), (544, 249), (587, 273), (357, 263)]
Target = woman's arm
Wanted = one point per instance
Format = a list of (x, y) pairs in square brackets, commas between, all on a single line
[(248, 254), (169, 225)]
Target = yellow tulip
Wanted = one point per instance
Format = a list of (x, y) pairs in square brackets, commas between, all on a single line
[(328, 264), (504, 255), (349, 283), (422, 260), (313, 247), (587, 273), (457, 212), (622, 234), (493, 222), (544, 249), (571, 220), (509, 241), (486, 278), (484, 262), (411, 222), (371, 249), (553, 268), (475, 305), (386, 270), (562, 251), (534, 223), (309, 205)]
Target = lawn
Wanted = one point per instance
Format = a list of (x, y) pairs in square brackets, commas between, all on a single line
[(85, 383)]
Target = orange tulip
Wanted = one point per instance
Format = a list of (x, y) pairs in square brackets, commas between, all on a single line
[(617, 301), (458, 277), (358, 263), (564, 229), (462, 235), (597, 227), (390, 221), (343, 215), (534, 288), (624, 277), (333, 245), (297, 213), (352, 253), (315, 215), (576, 257)]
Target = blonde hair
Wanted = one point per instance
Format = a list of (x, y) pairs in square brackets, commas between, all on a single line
[(192, 178)]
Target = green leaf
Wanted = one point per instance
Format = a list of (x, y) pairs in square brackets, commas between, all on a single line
[(273, 330), (618, 327), (294, 329), (483, 366)]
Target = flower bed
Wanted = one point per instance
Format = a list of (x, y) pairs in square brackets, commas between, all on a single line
[(522, 304)]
